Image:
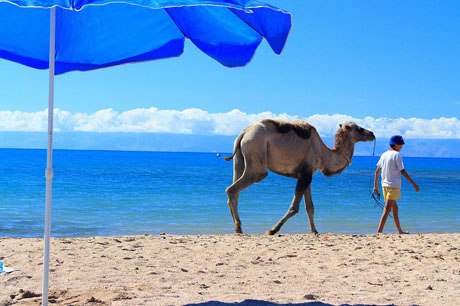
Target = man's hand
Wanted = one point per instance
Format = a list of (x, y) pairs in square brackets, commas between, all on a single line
[(376, 190), (406, 175)]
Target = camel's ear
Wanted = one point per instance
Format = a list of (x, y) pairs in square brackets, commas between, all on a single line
[(340, 125)]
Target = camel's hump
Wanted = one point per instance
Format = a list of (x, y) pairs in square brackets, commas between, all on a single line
[(300, 127)]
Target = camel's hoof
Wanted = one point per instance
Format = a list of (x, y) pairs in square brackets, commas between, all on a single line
[(238, 231), (270, 233)]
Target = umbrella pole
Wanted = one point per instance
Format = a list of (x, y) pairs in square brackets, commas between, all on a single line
[(49, 161)]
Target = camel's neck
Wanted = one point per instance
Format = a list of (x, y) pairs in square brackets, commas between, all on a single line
[(335, 160)]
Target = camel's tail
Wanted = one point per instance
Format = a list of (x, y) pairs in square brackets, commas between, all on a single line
[(228, 158), (236, 148)]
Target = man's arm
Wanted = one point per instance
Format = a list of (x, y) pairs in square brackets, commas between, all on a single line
[(376, 180), (406, 175)]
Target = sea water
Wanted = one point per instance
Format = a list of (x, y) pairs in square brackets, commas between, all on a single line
[(129, 193)]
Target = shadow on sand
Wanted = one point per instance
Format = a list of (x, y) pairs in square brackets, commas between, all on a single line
[(266, 303)]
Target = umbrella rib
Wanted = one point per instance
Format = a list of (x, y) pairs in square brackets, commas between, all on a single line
[(71, 8)]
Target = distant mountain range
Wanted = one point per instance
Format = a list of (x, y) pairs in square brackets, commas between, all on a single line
[(449, 148)]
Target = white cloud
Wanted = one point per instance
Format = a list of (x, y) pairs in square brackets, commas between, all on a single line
[(197, 121), (21, 121)]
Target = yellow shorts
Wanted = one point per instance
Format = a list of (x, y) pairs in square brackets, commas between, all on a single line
[(390, 193)]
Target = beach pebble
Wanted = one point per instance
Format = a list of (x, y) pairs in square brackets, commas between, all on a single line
[(94, 300), (429, 287), (309, 297), (28, 294)]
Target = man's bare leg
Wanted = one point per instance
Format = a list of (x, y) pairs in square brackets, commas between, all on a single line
[(386, 212), (396, 217)]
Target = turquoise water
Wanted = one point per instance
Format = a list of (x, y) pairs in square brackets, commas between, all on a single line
[(125, 193)]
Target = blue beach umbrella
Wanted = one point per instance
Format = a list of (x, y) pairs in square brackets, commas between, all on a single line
[(68, 35)]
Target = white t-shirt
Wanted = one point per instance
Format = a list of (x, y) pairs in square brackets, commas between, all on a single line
[(391, 164)]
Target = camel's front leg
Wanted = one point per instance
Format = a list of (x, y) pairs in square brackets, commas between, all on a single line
[(310, 209), (302, 184)]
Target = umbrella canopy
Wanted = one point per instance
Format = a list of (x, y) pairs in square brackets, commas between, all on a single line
[(68, 35), (93, 34)]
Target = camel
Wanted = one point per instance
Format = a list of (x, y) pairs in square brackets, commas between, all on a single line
[(291, 149)]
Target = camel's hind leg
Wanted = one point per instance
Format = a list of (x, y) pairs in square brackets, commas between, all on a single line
[(310, 209), (238, 170), (243, 178), (238, 166), (302, 184)]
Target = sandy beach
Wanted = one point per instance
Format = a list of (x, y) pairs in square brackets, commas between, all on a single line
[(329, 269)]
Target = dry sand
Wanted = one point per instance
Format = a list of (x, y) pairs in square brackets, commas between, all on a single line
[(329, 269)]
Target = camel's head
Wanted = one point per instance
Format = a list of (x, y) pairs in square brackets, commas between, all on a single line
[(355, 132)]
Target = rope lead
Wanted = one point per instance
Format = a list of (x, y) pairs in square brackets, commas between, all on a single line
[(375, 197)]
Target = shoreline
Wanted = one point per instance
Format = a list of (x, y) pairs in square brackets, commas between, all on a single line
[(334, 269)]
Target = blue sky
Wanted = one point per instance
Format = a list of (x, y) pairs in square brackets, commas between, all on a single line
[(397, 63)]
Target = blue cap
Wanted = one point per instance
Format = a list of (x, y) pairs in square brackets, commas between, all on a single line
[(396, 140)]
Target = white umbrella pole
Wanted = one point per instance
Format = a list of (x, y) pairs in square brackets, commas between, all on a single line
[(49, 161)]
